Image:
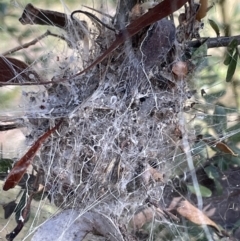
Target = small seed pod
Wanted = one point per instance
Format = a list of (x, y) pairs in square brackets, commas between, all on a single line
[(180, 69)]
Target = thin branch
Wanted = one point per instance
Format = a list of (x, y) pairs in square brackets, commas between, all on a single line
[(214, 42), (26, 45), (33, 42), (104, 14), (93, 17)]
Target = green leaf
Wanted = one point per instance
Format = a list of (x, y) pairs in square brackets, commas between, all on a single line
[(233, 160), (219, 119), (218, 187), (20, 208), (214, 96), (199, 57), (211, 172), (3, 8), (223, 164), (232, 45), (12, 29), (205, 192), (5, 165), (235, 133), (214, 27), (232, 67)]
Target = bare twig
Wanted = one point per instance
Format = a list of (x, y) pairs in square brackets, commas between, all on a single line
[(214, 42), (93, 17), (104, 14), (26, 45), (33, 42)]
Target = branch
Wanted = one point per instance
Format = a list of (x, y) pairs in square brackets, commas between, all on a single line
[(214, 42), (33, 42)]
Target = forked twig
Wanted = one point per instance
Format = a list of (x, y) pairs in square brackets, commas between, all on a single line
[(33, 42)]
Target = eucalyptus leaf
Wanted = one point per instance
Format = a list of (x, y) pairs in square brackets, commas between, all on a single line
[(223, 164), (211, 172), (233, 160), (219, 119), (235, 130), (232, 66), (199, 148), (214, 96), (20, 208), (3, 8), (218, 187), (230, 49), (199, 57), (205, 192), (214, 27)]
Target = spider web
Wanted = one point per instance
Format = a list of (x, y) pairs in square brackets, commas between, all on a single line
[(127, 130)]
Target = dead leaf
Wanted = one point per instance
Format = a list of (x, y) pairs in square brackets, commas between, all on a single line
[(32, 15), (202, 12), (224, 148), (141, 217), (193, 214), (21, 166), (158, 42), (156, 174), (14, 70), (145, 215), (220, 146)]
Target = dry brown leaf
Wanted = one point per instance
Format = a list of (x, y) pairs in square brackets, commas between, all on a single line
[(193, 214), (20, 167), (14, 70), (140, 218), (224, 148), (145, 215), (202, 12), (156, 174), (136, 12), (220, 146), (153, 173), (139, 9)]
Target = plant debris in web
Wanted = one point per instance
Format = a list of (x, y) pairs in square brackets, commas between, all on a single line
[(116, 104)]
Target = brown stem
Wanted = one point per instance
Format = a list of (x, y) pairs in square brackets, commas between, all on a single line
[(33, 42), (214, 42)]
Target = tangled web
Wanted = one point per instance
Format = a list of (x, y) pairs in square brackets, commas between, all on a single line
[(122, 131), (118, 119)]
